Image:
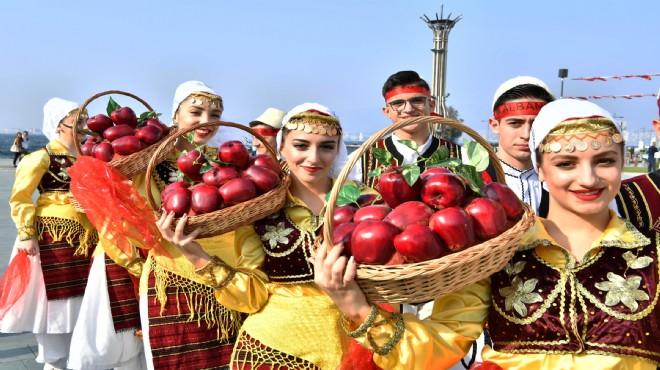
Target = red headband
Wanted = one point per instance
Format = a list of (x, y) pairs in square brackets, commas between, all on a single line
[(266, 131), (406, 90), (521, 108)]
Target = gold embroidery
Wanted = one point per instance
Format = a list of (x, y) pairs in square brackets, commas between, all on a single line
[(635, 262), (277, 235), (520, 293), (623, 290)]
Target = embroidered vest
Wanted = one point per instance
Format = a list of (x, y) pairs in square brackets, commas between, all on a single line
[(369, 162), (57, 178), (608, 305), (639, 201), (287, 248)]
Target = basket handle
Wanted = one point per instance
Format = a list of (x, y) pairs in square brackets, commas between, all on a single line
[(94, 97), (354, 157), (182, 133)]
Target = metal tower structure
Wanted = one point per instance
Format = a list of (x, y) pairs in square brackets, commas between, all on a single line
[(441, 27)]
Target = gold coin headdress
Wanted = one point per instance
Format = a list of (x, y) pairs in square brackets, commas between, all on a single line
[(215, 101), (595, 132), (315, 122)]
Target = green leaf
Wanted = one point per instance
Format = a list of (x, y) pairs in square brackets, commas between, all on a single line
[(383, 156), (205, 167), (411, 173), (477, 154), (438, 156), (471, 174), (449, 163), (410, 144), (348, 194), (112, 106), (375, 172), (191, 137)]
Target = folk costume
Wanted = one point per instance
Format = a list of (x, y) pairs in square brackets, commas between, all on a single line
[(51, 302), (292, 322), (545, 309)]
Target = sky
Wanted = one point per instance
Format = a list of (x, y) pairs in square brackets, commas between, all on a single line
[(260, 54)]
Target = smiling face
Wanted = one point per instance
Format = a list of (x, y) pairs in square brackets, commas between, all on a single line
[(408, 105), (582, 182), (195, 110), (309, 156)]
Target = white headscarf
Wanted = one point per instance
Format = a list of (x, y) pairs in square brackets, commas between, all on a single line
[(559, 111), (185, 89), (342, 156), (55, 110)]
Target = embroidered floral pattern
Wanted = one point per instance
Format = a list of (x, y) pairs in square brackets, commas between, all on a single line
[(276, 234), (623, 290), (519, 294), (635, 262)]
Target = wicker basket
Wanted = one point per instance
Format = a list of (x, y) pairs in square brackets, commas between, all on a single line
[(424, 281), (230, 218), (133, 164)]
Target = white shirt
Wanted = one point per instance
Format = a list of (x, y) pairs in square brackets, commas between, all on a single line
[(524, 183)]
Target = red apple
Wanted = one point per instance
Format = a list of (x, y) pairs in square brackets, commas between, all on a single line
[(155, 122), (168, 189), (191, 164), (419, 243), (126, 145), (433, 171), (377, 212), (237, 190), (267, 161), (443, 191), (103, 151), (373, 242), (505, 197), (178, 201), (342, 235), (409, 213), (149, 134), (455, 227), (394, 189), (234, 152), (489, 217), (124, 116), (343, 214), (264, 179), (115, 132), (87, 148), (219, 175), (204, 199), (369, 199), (99, 123)]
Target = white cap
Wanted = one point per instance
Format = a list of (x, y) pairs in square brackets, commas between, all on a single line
[(185, 89), (517, 81), (271, 117), (55, 110)]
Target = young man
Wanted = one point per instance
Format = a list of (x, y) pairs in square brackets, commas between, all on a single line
[(268, 124), (515, 106), (406, 95)]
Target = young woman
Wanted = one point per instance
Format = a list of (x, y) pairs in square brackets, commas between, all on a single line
[(17, 147), (57, 238), (580, 293), (293, 324)]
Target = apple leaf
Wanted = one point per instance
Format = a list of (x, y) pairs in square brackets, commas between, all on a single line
[(411, 173), (448, 163), (383, 156), (438, 156), (477, 154), (347, 194), (471, 174), (375, 172), (112, 106), (410, 144), (205, 167)]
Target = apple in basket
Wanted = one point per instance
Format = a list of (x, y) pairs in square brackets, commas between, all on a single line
[(99, 123), (124, 116), (127, 145), (455, 226), (443, 190), (155, 122), (115, 132), (342, 235), (219, 175), (263, 178), (373, 242), (204, 199), (234, 152), (419, 243), (409, 213), (178, 201), (376, 212), (237, 190), (88, 148), (149, 134), (368, 199), (103, 151), (505, 197), (168, 189), (395, 190), (267, 161), (489, 217), (433, 171), (190, 164), (342, 215)]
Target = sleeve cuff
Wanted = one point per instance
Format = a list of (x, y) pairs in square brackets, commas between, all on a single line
[(216, 273), (27, 232)]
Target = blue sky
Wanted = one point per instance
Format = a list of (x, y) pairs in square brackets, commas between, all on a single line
[(260, 54)]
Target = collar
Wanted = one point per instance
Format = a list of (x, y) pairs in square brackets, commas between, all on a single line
[(57, 148), (406, 151)]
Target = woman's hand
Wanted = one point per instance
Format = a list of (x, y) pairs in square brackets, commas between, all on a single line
[(335, 274), (29, 246), (192, 250)]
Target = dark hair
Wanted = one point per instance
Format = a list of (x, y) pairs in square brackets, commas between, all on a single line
[(525, 91), (404, 78)]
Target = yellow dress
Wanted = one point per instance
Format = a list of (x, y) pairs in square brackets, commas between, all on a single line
[(443, 339)]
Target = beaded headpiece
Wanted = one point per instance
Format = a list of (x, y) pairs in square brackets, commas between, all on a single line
[(591, 132), (315, 122), (215, 101)]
